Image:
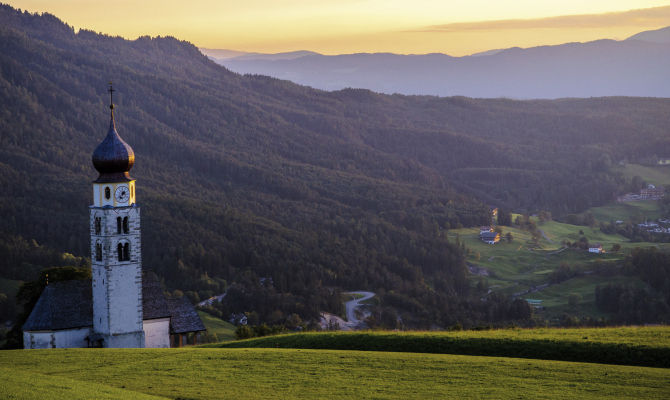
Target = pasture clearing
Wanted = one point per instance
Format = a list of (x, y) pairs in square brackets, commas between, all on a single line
[(197, 373)]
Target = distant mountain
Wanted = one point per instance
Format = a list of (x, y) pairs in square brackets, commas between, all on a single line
[(601, 68), (656, 36), (222, 55), (292, 55)]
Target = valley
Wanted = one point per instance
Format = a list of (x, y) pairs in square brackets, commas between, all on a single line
[(284, 197), (524, 267)]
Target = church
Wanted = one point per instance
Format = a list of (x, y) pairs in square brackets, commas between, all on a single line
[(119, 307)]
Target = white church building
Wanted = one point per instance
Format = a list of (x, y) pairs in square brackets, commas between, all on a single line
[(120, 306)]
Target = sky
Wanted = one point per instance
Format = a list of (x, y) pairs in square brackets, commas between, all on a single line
[(353, 26)]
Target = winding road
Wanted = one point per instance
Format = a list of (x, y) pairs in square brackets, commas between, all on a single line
[(352, 321)]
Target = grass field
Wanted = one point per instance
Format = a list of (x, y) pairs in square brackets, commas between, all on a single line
[(628, 345), (196, 373), (223, 330), (9, 287), (637, 211), (518, 267), (656, 175)]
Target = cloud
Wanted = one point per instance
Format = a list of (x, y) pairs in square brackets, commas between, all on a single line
[(647, 17)]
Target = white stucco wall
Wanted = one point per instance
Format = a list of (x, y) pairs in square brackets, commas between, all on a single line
[(66, 338), (117, 285), (157, 333)]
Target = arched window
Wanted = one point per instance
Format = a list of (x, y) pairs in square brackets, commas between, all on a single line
[(119, 250), (108, 193), (118, 225), (98, 225), (125, 225), (126, 252), (132, 191), (98, 251)]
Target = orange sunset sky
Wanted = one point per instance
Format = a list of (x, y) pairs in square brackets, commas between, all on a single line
[(349, 26)]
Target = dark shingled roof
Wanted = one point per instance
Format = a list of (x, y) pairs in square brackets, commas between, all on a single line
[(184, 317), (62, 305), (488, 235), (154, 304), (69, 304)]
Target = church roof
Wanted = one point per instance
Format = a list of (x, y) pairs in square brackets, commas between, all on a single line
[(154, 304), (184, 317), (69, 305), (113, 157), (62, 305)]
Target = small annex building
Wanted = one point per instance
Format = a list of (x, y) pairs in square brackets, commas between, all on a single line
[(596, 248), (63, 317)]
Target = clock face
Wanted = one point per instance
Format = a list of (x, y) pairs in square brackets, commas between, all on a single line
[(122, 194)]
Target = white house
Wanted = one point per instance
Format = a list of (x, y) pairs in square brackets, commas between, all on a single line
[(596, 248)]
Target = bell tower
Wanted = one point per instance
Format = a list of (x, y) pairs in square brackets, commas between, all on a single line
[(116, 260)]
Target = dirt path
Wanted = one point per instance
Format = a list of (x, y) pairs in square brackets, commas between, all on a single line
[(545, 236)]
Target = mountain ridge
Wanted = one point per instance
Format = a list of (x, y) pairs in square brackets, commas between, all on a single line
[(661, 35), (592, 69)]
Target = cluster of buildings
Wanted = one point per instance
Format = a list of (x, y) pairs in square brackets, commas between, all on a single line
[(651, 192), (661, 226)]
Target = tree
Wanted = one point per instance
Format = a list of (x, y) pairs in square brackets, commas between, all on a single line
[(243, 332), (544, 216), (520, 310), (293, 322), (504, 217)]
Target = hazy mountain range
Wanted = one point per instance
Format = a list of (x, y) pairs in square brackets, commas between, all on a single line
[(637, 66)]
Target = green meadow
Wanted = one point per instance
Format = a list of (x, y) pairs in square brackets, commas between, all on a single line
[(222, 329), (637, 211), (645, 346), (199, 373), (656, 175), (521, 266)]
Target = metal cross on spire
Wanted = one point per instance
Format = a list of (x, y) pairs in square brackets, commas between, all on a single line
[(111, 96)]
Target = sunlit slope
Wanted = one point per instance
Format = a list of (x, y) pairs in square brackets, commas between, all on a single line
[(523, 267), (222, 329), (629, 345), (284, 373)]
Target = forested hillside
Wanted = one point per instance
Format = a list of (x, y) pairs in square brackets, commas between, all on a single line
[(247, 177)]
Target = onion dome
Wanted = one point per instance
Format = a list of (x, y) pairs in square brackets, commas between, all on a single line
[(113, 157)]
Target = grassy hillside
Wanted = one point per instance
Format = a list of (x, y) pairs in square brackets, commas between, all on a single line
[(637, 211), (9, 286), (222, 329), (521, 266), (629, 346), (656, 175), (288, 374)]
